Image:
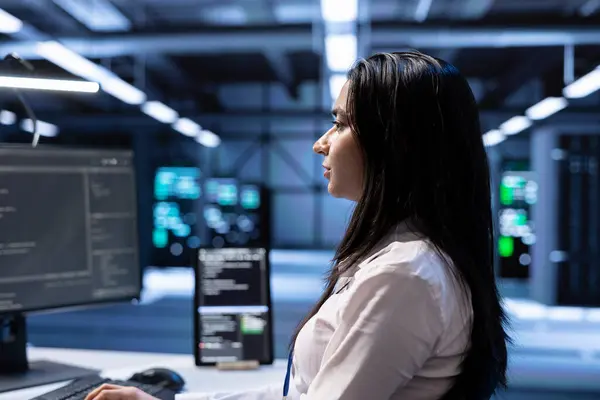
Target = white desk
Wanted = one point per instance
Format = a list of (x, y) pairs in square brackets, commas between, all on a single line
[(121, 365), (526, 371)]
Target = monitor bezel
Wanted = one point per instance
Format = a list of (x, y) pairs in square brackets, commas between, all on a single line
[(67, 307), (197, 285)]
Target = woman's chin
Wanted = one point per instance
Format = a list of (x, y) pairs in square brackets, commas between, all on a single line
[(332, 189), (335, 191)]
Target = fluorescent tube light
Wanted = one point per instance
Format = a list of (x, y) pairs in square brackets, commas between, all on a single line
[(515, 125), (48, 84), (187, 127), (422, 10), (122, 90), (160, 112), (546, 107), (208, 139), (72, 62), (43, 128), (9, 24), (339, 10), (493, 137), (583, 86), (7, 117), (341, 51), (336, 83)]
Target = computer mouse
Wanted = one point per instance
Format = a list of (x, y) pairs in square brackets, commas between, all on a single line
[(160, 376)]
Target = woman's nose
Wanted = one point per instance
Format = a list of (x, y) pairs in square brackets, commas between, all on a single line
[(321, 146)]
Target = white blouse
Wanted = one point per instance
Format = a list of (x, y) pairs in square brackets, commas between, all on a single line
[(397, 328)]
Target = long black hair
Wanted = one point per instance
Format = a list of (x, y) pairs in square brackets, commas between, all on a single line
[(417, 122)]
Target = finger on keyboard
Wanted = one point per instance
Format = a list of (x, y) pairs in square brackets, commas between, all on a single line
[(96, 392)]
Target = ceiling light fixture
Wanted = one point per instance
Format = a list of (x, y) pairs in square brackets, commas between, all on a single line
[(59, 85), (208, 139), (72, 62), (187, 127), (515, 125), (42, 128), (9, 24), (160, 112), (546, 108)]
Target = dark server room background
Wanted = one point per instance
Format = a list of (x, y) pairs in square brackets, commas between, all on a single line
[(221, 101)]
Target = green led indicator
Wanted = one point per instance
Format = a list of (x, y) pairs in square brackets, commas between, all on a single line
[(506, 195), (506, 246)]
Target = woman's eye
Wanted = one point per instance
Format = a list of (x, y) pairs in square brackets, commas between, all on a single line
[(337, 125)]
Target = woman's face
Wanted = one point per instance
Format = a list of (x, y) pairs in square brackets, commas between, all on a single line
[(343, 159)]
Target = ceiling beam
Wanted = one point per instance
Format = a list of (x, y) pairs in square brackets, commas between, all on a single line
[(105, 122), (172, 43), (428, 35), (468, 36), (54, 14), (467, 9)]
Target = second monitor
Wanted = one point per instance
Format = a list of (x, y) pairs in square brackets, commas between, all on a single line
[(232, 317)]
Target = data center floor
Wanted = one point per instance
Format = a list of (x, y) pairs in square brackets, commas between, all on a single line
[(556, 354)]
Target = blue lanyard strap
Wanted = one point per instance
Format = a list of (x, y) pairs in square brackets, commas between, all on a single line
[(286, 382)]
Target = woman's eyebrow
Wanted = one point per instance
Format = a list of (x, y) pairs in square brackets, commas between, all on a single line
[(338, 112)]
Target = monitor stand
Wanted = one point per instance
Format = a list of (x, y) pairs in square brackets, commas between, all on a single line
[(16, 372)]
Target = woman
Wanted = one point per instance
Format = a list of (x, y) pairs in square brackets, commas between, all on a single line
[(411, 309)]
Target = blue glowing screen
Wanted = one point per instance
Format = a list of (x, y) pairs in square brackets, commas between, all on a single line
[(176, 191), (191, 211)]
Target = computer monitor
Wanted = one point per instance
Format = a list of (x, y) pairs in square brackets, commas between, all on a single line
[(232, 317), (190, 212), (68, 238), (175, 233), (236, 214)]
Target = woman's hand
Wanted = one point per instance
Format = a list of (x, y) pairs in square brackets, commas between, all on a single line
[(114, 392)]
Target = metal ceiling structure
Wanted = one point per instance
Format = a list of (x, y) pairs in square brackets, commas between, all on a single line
[(301, 38), (182, 52)]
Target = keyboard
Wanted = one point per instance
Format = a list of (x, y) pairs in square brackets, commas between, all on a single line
[(80, 388)]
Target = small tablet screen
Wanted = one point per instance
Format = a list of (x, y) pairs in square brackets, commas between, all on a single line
[(233, 306)]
